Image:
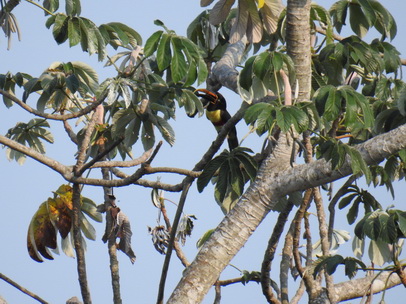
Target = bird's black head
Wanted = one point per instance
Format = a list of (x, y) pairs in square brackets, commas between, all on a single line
[(211, 100)]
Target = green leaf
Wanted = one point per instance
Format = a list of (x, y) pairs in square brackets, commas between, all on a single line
[(178, 62), (351, 266), (339, 13), (277, 61), (202, 72), (358, 20), (152, 43), (87, 76), (209, 171), (245, 76), (353, 212), (368, 11), (223, 182), (284, 120), (147, 135), (166, 130), (60, 29), (262, 65), (333, 105), (192, 103), (402, 221), (345, 201), (74, 31), (330, 263), (379, 252), (164, 54)]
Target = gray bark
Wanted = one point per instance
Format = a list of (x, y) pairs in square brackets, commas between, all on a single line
[(259, 199)]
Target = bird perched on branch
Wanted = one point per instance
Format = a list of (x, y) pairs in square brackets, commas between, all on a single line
[(216, 112)]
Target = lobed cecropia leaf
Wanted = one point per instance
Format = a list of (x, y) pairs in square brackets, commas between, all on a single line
[(31, 134), (331, 262), (178, 56), (229, 171), (363, 15), (53, 216)]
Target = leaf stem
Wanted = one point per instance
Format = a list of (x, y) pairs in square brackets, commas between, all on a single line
[(41, 7)]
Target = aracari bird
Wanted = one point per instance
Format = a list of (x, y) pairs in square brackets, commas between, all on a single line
[(216, 112)]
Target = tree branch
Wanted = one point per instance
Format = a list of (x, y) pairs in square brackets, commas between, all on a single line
[(270, 254), (22, 289), (124, 164), (41, 158), (357, 288), (77, 114), (77, 237)]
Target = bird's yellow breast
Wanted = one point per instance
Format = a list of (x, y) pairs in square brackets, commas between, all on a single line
[(214, 116)]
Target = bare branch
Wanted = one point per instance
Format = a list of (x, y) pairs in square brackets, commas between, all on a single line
[(22, 289), (124, 164), (78, 241), (69, 131), (77, 114), (149, 184), (325, 244), (357, 288), (270, 253), (41, 158), (85, 144)]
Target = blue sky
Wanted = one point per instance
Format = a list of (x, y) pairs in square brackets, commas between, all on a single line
[(25, 187)]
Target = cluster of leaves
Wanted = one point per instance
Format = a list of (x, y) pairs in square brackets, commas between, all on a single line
[(338, 153), (357, 196), (8, 83), (380, 225), (353, 55), (363, 15), (262, 72), (178, 55), (58, 84), (92, 39), (266, 116), (248, 19), (30, 134), (231, 170), (211, 39), (346, 104), (55, 215), (393, 114), (385, 229), (330, 264)]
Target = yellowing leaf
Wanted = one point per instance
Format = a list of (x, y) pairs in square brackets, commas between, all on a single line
[(53, 216), (260, 3)]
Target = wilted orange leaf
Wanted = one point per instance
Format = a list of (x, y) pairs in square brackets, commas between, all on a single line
[(55, 215)]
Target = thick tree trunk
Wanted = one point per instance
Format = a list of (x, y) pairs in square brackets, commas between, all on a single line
[(254, 205), (298, 43)]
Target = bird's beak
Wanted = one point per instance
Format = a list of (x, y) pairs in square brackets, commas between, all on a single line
[(208, 95)]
